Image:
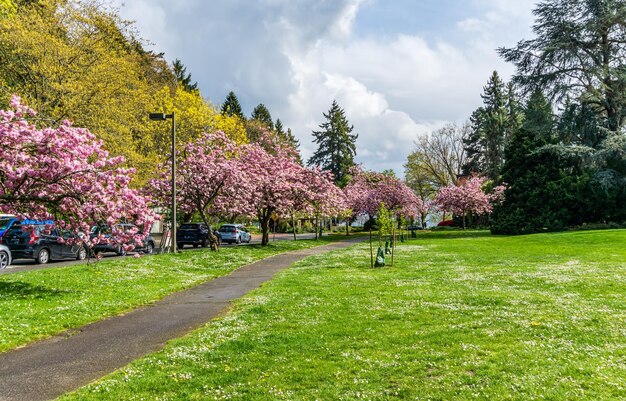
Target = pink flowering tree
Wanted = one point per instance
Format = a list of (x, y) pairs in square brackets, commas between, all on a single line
[(468, 196), (273, 181), (367, 190), (64, 174), (320, 196), (209, 180)]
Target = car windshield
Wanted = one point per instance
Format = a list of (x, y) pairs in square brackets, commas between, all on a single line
[(189, 227), (4, 223), (227, 229), (96, 230)]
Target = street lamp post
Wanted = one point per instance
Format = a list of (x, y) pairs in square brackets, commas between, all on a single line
[(163, 117)]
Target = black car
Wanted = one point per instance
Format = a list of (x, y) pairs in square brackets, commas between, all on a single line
[(196, 234), (147, 246), (414, 227), (42, 242)]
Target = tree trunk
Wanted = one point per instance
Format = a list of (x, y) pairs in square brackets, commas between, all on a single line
[(347, 227), (214, 245), (264, 219), (265, 230), (293, 226), (371, 250), (317, 228)]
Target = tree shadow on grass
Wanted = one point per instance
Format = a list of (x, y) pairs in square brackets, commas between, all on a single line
[(14, 290), (453, 234)]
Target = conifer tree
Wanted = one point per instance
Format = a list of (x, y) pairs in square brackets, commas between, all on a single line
[(336, 144), (180, 71), (578, 52), (262, 114), (538, 194), (231, 106)]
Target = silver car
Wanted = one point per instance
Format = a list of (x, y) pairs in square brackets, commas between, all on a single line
[(5, 257), (234, 233)]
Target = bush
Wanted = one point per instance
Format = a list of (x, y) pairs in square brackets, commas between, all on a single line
[(307, 227)]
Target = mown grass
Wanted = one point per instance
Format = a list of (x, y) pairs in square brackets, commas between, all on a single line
[(460, 316), (37, 304)]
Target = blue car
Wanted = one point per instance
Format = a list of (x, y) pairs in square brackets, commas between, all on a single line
[(42, 241), (6, 221)]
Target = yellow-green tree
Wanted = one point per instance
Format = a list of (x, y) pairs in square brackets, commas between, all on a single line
[(78, 61)]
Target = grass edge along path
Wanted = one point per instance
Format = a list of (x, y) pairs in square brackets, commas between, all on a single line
[(49, 368), (41, 303), (462, 316)]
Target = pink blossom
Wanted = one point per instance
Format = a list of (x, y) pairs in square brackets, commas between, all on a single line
[(64, 174)]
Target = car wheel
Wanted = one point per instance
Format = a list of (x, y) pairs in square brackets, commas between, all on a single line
[(205, 243), (43, 256), (149, 248), (4, 260), (238, 240), (180, 246), (195, 245), (120, 251), (82, 253)]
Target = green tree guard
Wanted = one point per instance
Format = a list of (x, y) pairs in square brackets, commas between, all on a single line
[(380, 258)]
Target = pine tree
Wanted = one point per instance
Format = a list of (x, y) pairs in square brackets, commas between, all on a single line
[(336, 144), (231, 106), (578, 52), (185, 80), (262, 114), (491, 124), (473, 145), (538, 195), (494, 126)]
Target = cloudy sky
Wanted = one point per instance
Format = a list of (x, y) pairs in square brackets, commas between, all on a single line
[(399, 68)]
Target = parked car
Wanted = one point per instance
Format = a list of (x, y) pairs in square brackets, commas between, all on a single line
[(6, 221), (146, 247), (234, 233), (5, 257), (414, 227), (42, 241), (196, 234)]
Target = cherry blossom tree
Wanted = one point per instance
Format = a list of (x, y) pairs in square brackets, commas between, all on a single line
[(209, 180), (322, 198), (367, 190), (274, 181), (468, 196), (64, 174)]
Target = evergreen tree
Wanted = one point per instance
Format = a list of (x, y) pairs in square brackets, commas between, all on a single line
[(262, 114), (539, 192), (578, 52), (494, 125), (278, 128), (336, 144), (180, 71), (292, 141), (287, 138), (231, 106), (490, 126), (473, 146)]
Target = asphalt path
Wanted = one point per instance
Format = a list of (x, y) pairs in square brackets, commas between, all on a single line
[(46, 369), (19, 265)]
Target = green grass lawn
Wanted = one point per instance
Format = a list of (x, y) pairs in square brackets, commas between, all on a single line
[(40, 303), (460, 316)]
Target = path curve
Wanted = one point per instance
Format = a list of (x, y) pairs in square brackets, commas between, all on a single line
[(47, 369)]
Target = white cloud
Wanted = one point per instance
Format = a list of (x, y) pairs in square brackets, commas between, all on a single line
[(297, 56)]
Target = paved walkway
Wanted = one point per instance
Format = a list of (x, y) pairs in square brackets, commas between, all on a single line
[(49, 368)]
